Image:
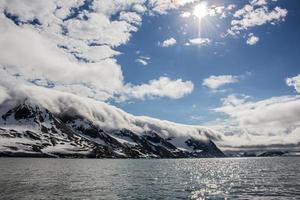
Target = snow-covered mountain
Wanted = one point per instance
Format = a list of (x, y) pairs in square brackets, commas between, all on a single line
[(64, 125)]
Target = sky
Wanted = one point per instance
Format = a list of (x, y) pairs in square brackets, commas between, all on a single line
[(260, 69), (229, 65)]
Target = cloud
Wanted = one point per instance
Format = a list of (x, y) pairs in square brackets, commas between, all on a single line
[(216, 10), (261, 113), (185, 14), (294, 82), (230, 7), (131, 17), (108, 117), (162, 87), (3, 94), (141, 61), (254, 14), (95, 53), (272, 122), (198, 41), (110, 8), (196, 118), (144, 60), (48, 62), (258, 2), (169, 42), (162, 6), (220, 11), (252, 39), (215, 82), (98, 29), (72, 47), (139, 8)]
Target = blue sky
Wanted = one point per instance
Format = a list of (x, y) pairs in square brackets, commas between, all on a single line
[(270, 61)]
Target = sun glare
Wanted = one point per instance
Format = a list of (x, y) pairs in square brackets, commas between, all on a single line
[(200, 10)]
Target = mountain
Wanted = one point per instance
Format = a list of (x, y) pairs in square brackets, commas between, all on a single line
[(30, 129)]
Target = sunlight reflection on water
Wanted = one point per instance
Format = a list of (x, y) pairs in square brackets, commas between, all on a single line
[(229, 178)]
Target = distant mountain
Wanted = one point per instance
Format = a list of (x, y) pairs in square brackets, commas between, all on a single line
[(265, 153), (29, 129)]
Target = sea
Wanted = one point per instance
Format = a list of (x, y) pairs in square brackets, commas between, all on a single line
[(109, 179)]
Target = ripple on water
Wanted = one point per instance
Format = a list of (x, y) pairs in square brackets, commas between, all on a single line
[(230, 178)]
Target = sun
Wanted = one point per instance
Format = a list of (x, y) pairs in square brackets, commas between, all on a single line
[(200, 10)]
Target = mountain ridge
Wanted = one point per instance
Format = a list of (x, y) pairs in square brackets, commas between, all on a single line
[(33, 131)]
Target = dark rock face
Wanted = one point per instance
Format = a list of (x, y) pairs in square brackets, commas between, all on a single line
[(58, 135), (209, 148), (248, 154), (268, 153), (271, 154)]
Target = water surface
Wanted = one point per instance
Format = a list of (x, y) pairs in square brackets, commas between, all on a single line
[(231, 178)]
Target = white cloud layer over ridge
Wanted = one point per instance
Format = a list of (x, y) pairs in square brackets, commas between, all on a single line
[(73, 49), (257, 124), (106, 116), (264, 124)]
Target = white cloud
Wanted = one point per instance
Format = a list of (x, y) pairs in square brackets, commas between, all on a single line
[(196, 118), (252, 39), (3, 94), (216, 10), (106, 116), (161, 87), (142, 61), (258, 2), (28, 10), (95, 53), (198, 41), (255, 14), (221, 11), (185, 14), (139, 8), (214, 82), (294, 82), (69, 51), (100, 30), (231, 7), (131, 17), (169, 42), (162, 6), (269, 122), (109, 7), (145, 57)]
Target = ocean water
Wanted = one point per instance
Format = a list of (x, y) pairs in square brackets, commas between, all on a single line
[(226, 178)]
